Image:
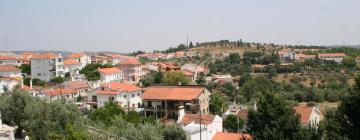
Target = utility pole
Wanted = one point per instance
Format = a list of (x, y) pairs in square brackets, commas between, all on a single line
[(187, 41)]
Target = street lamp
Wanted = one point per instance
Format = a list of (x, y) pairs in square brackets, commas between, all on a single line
[(193, 105)]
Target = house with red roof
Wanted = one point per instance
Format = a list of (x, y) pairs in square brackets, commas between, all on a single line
[(133, 70), (310, 116), (231, 136), (9, 71), (336, 57), (59, 93), (82, 58), (72, 66), (166, 101), (9, 60), (111, 74), (127, 96), (210, 125)]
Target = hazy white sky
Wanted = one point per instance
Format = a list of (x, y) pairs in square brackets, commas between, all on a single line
[(124, 26)]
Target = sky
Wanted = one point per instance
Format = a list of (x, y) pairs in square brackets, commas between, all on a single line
[(126, 26)]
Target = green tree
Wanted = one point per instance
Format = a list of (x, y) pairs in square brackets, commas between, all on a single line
[(158, 77), (57, 80), (25, 68), (12, 108), (218, 104), (274, 119), (333, 125), (233, 123), (173, 133), (106, 113), (349, 62), (174, 78), (201, 79)]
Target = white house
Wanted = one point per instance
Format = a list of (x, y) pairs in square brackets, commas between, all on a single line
[(125, 95), (210, 125), (8, 83), (336, 57), (111, 74), (47, 66), (9, 71), (9, 60), (287, 54), (309, 115), (82, 58), (72, 66), (56, 94)]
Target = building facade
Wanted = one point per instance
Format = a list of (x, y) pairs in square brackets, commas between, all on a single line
[(47, 66)]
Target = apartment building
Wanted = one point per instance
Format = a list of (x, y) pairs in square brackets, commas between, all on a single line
[(132, 69), (82, 58), (47, 66)]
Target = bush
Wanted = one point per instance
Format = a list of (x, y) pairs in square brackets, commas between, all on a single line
[(332, 97)]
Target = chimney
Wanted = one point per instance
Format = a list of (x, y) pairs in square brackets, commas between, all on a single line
[(181, 113), (31, 86), (1, 125)]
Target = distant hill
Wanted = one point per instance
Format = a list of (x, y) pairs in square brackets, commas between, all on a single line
[(339, 46)]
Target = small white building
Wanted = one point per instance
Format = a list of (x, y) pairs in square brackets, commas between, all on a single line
[(82, 58), (72, 67), (336, 57), (287, 55), (8, 83), (47, 66), (9, 71), (57, 94), (310, 116), (125, 95), (9, 60), (210, 125), (111, 74)]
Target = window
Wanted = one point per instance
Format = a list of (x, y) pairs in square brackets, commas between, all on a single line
[(133, 105), (138, 94), (111, 98), (133, 95), (124, 96)]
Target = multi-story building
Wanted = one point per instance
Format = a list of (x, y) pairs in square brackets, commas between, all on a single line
[(111, 74), (132, 69), (336, 57), (107, 58), (82, 58), (9, 60), (125, 95), (72, 66), (167, 101), (47, 66), (9, 71)]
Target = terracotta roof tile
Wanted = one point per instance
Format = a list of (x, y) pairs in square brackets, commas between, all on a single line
[(106, 92), (231, 136), (185, 93), (45, 56), (8, 68), (110, 70), (205, 119), (5, 57), (71, 62), (76, 55), (130, 61), (76, 85), (55, 92), (304, 112), (121, 86), (332, 54)]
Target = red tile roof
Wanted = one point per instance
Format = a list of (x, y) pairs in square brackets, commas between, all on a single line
[(332, 54), (55, 92), (76, 55), (231, 136), (110, 70), (121, 86), (130, 61), (106, 92), (8, 68), (76, 85), (205, 119), (45, 56), (5, 57), (304, 112), (187, 73), (185, 93), (71, 62)]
